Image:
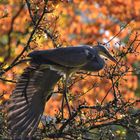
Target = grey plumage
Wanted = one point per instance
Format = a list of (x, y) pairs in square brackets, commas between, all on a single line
[(75, 58), (67, 57), (38, 80)]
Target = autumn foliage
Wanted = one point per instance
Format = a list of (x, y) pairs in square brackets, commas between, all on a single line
[(43, 24)]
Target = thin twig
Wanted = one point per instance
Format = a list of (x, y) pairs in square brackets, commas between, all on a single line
[(28, 43), (119, 32), (6, 80)]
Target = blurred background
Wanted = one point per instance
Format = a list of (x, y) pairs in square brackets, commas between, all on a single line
[(115, 23)]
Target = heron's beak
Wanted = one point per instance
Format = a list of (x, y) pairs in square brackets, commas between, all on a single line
[(112, 58), (108, 55)]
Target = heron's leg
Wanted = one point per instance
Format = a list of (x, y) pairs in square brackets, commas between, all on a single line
[(62, 106), (65, 91)]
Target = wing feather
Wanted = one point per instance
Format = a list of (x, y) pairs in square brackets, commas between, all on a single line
[(23, 117)]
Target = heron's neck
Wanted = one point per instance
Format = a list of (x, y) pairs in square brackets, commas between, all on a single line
[(101, 61)]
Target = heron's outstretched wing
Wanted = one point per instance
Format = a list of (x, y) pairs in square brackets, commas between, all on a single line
[(37, 84), (68, 57)]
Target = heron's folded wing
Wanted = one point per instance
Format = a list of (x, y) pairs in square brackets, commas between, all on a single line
[(37, 85), (68, 57)]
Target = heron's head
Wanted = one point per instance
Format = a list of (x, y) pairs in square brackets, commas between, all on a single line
[(104, 51)]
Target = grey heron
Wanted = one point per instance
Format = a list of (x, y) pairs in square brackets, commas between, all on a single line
[(39, 79)]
